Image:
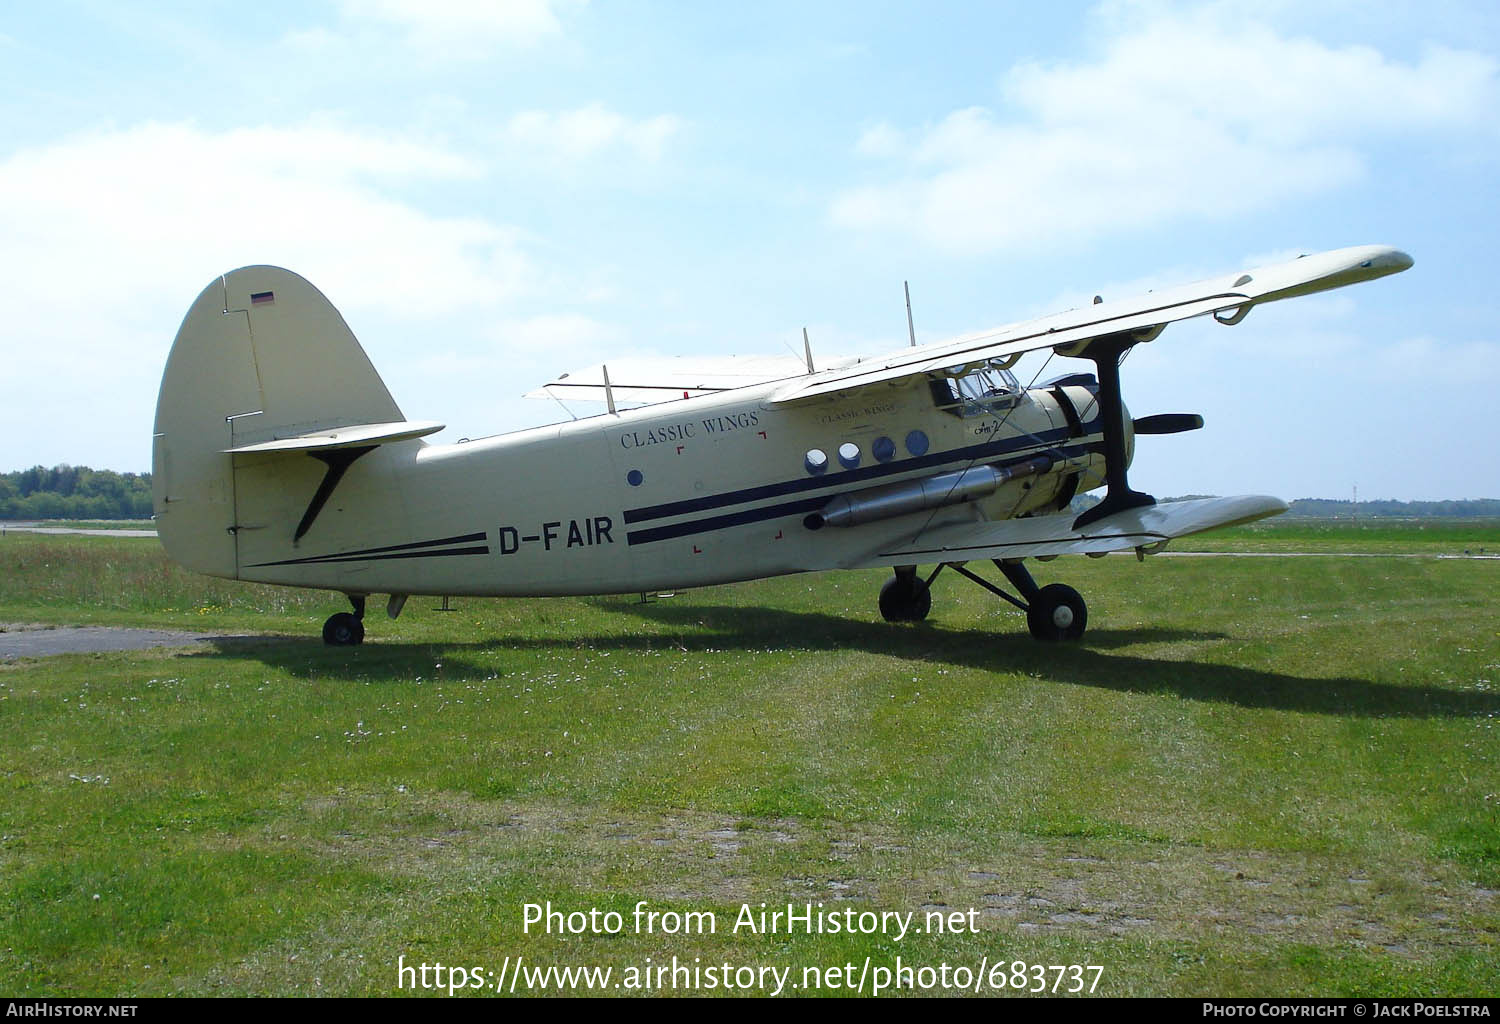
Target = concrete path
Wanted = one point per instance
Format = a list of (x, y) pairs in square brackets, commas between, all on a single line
[(31, 528), (40, 641)]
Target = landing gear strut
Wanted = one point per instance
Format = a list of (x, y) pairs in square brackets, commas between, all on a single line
[(1054, 613), (344, 629)]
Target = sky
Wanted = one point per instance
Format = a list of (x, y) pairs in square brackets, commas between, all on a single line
[(494, 193)]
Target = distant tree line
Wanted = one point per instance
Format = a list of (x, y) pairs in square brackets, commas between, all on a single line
[(78, 492), (1327, 508), (1330, 508), (74, 492)]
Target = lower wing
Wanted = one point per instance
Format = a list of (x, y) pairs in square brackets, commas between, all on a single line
[(1147, 528)]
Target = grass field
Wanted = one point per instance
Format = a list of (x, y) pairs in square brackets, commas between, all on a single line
[(85, 524), (1253, 776), (1377, 536)]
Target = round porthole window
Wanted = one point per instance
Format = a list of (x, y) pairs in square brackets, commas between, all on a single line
[(916, 443), (815, 462), (849, 455), (884, 449)]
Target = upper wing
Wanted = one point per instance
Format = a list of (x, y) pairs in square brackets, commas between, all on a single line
[(1144, 316), (663, 380), (1041, 536)]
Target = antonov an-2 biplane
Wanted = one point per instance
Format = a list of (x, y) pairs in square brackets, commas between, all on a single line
[(279, 456)]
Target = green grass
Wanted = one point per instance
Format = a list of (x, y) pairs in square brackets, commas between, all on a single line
[(1381, 536), (1253, 776), (91, 524)]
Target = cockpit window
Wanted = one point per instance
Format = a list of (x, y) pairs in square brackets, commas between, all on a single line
[(979, 392)]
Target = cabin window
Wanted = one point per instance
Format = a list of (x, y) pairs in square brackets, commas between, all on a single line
[(980, 392)]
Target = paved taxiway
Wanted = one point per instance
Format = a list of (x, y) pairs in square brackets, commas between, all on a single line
[(40, 641)]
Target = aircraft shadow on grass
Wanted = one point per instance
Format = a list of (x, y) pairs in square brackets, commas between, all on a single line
[(711, 627)]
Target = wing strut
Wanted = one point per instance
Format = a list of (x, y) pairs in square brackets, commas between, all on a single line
[(1106, 353), (1014, 571)]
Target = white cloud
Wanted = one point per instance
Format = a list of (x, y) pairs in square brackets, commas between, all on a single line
[(590, 131), (149, 214), (105, 239), (463, 23), (881, 140), (1195, 115), (476, 389), (572, 338), (558, 332)]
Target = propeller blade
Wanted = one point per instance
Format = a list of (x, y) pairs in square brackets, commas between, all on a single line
[(1168, 423)]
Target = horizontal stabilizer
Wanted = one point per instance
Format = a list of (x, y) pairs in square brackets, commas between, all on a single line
[(1041, 536), (363, 435)]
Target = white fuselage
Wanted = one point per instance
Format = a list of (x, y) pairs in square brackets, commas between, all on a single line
[(687, 493)]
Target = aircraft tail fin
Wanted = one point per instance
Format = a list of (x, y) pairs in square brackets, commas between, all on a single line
[(260, 356)]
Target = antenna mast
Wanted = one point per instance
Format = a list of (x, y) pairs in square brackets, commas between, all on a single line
[(911, 330), (609, 392)]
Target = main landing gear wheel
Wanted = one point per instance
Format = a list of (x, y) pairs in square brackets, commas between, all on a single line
[(905, 598), (1057, 613)]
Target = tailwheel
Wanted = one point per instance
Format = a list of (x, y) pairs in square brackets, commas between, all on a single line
[(346, 629), (905, 597), (1057, 613), (343, 630)]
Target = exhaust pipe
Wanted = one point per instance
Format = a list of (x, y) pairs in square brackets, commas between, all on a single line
[(916, 495)]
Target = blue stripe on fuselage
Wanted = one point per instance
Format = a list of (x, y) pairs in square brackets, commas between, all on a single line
[(1006, 446), (1012, 445)]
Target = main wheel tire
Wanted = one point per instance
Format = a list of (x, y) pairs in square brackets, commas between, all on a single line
[(905, 599), (1057, 614), (343, 630)]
